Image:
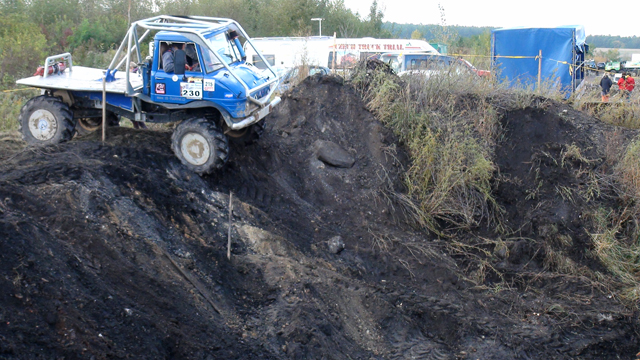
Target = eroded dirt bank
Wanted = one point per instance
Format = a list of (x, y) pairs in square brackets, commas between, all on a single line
[(116, 251)]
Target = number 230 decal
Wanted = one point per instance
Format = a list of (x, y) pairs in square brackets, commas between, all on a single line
[(191, 90), (191, 93)]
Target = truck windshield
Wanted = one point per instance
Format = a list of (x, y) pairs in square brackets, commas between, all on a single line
[(225, 49)]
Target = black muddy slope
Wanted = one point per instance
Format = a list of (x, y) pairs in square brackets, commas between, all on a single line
[(115, 250)]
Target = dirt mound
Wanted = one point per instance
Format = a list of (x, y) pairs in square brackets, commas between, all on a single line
[(548, 162), (115, 250)]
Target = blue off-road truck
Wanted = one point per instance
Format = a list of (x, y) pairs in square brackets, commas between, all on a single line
[(212, 93)]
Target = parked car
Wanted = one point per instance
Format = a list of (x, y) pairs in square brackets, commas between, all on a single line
[(590, 67), (478, 72), (615, 79), (613, 66), (601, 66), (427, 64), (298, 73)]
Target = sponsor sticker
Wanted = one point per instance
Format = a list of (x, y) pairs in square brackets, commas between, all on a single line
[(174, 78), (191, 90), (209, 85), (161, 88)]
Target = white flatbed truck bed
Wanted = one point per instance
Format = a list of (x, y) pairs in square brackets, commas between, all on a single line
[(81, 78)]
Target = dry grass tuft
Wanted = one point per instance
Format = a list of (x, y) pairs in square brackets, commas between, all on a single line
[(618, 250), (450, 127), (628, 171), (616, 235)]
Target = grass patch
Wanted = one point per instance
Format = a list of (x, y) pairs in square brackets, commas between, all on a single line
[(449, 130), (449, 123), (618, 248), (618, 111)]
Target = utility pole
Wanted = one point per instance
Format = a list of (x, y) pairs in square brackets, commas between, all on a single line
[(319, 20)]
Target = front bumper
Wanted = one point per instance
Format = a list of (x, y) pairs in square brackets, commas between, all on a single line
[(258, 115)]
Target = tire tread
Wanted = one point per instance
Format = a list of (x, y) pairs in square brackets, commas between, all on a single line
[(59, 109), (217, 141)]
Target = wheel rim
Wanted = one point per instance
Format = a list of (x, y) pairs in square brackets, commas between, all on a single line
[(43, 125), (195, 148), (89, 124)]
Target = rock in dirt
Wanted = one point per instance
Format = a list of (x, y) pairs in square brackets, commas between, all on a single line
[(335, 244), (333, 154)]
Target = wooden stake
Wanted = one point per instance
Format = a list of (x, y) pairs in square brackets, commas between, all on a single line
[(230, 219), (539, 68), (104, 107)]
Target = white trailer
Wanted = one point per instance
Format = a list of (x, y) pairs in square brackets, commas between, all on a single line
[(334, 53)]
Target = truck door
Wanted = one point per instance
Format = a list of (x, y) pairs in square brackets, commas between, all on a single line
[(169, 87)]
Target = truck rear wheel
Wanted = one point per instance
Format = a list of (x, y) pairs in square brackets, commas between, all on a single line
[(46, 120), (200, 145), (248, 135)]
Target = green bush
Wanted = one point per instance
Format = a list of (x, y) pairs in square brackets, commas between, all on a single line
[(22, 48), (10, 104)]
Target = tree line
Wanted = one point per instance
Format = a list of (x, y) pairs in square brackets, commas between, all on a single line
[(432, 31), (91, 29), (616, 42)]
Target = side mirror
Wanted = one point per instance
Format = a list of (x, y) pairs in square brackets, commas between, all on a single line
[(179, 61)]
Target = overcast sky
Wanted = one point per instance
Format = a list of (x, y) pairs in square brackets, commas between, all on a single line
[(621, 18)]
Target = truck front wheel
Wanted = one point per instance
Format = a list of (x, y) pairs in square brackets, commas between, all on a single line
[(46, 120), (200, 145)]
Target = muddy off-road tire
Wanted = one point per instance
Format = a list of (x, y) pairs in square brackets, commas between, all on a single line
[(88, 125), (249, 135), (46, 120), (200, 145)]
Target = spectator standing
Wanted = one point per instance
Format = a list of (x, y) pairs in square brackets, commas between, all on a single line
[(626, 84), (605, 84)]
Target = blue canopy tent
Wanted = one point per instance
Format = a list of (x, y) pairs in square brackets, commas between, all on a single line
[(515, 55)]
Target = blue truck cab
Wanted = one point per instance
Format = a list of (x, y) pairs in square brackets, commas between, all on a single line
[(206, 86), (205, 77)]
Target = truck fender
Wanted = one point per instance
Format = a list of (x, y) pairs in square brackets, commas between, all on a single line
[(65, 95), (227, 118)]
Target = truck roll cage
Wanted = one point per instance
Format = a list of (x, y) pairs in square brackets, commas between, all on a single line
[(195, 28)]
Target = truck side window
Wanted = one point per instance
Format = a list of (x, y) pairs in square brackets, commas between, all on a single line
[(163, 47), (192, 57)]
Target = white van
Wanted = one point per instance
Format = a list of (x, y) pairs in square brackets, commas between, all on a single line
[(334, 53)]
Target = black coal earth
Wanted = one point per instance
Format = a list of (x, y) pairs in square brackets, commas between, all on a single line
[(116, 250)]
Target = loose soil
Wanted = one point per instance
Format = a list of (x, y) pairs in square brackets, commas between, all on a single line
[(115, 250)]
